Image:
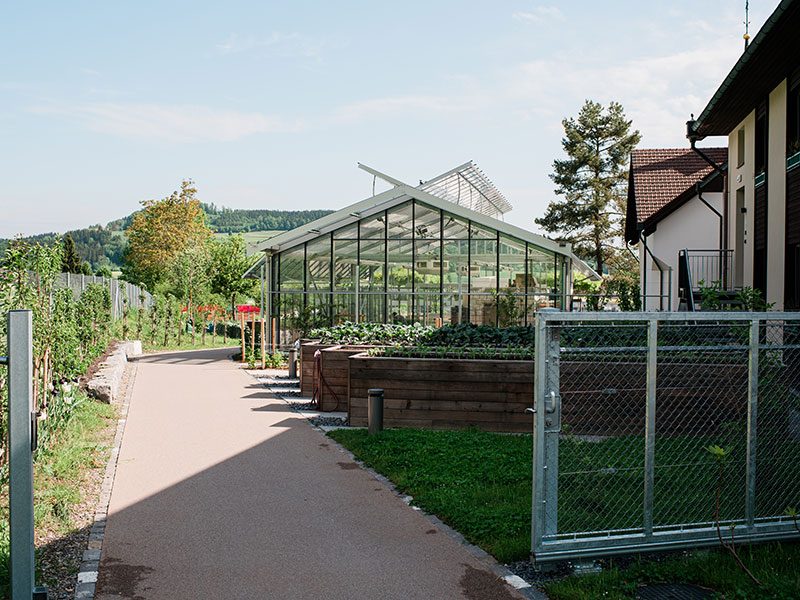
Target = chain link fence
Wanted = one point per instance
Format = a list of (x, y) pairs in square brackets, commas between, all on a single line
[(119, 290), (664, 430)]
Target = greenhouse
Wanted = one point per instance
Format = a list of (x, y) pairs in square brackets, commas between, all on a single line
[(433, 254)]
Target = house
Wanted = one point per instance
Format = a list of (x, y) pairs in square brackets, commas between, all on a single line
[(757, 107), (674, 203), (432, 254)]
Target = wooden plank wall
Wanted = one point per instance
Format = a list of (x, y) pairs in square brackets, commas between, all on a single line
[(307, 351), (601, 399), (333, 396), (444, 394)]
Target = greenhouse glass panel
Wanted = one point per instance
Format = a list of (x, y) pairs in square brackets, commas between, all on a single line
[(372, 307), (399, 307), (455, 286), (400, 265), (427, 222), (345, 265), (372, 261), (290, 312), (541, 279), (319, 308), (483, 275), (291, 269), (427, 308), (400, 221), (455, 228), (427, 265), (347, 233), (511, 300), (318, 261), (373, 227)]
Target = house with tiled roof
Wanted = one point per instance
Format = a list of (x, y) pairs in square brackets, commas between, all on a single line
[(675, 200)]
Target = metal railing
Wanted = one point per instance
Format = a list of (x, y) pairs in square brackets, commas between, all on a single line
[(628, 405), (707, 267)]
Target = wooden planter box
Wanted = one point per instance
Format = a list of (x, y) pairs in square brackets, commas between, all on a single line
[(307, 351), (444, 393), (334, 368), (597, 399)]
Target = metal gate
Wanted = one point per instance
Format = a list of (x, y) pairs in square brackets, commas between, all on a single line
[(664, 430)]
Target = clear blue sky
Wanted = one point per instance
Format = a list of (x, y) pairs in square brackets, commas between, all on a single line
[(270, 105)]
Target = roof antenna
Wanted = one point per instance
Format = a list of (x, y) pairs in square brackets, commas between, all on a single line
[(746, 24)]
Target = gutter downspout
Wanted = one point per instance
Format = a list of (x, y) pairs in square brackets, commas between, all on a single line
[(722, 170), (643, 237)]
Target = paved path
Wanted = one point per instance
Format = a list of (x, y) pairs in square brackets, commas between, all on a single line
[(222, 492)]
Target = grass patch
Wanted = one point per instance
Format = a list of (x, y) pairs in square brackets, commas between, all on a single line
[(479, 483), (59, 472), (186, 344), (775, 564)]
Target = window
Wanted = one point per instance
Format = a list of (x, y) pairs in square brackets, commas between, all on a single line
[(740, 147)]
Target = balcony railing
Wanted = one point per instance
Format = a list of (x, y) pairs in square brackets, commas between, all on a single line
[(704, 268)]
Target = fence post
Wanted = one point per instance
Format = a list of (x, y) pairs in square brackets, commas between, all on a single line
[(752, 419), (547, 418), (22, 443), (650, 424)]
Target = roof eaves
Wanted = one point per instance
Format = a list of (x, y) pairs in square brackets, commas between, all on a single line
[(752, 48)]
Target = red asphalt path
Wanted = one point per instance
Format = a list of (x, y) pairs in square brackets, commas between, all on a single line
[(222, 492)]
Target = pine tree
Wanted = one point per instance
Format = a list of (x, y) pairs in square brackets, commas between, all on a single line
[(592, 180), (70, 260)]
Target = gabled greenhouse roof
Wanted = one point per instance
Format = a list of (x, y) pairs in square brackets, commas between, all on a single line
[(402, 192)]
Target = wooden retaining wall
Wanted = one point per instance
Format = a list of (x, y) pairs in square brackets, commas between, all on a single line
[(598, 398)]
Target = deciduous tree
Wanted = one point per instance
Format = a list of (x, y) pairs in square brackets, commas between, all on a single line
[(229, 261), (161, 231)]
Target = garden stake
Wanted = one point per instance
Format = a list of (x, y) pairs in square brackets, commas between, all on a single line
[(241, 334), (263, 346), (253, 335)]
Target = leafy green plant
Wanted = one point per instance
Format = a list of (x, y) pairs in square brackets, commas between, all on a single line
[(710, 295), (752, 300)]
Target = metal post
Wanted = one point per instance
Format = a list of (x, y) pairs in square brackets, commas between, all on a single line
[(544, 520), (21, 428), (375, 411), (752, 419), (292, 363), (650, 425)]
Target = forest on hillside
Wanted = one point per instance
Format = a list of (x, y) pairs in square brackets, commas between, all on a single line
[(103, 246)]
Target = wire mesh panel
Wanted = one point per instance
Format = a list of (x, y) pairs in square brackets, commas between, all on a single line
[(657, 430)]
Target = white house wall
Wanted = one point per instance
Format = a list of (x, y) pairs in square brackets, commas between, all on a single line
[(776, 196), (692, 226), (742, 177)]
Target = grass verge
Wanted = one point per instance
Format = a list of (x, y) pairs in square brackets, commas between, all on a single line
[(479, 483), (60, 483)]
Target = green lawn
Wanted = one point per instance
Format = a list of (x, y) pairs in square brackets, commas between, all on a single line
[(59, 472), (480, 484)]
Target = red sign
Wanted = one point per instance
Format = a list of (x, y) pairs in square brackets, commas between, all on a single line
[(247, 308)]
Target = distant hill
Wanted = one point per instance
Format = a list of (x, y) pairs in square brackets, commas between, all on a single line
[(104, 245)]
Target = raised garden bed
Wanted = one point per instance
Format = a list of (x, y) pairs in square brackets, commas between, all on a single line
[(598, 398)]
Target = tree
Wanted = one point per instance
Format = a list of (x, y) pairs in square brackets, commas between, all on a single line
[(592, 180), (229, 261), (160, 232), (189, 277), (70, 259)]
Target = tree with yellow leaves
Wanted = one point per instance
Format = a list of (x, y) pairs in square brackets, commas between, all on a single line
[(162, 232)]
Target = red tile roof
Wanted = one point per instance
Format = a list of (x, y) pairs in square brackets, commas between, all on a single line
[(660, 175)]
